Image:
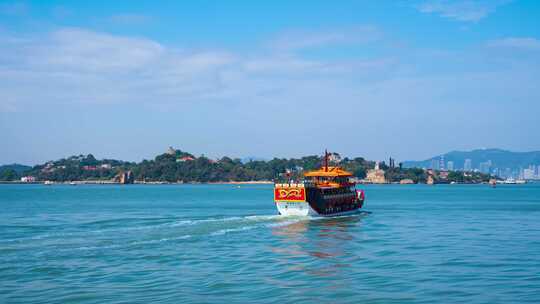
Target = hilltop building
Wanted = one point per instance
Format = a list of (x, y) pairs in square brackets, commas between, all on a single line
[(171, 151), (184, 159), (375, 176)]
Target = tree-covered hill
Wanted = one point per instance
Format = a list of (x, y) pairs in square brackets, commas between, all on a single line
[(18, 168), (179, 166), (173, 168), (12, 172), (78, 167)]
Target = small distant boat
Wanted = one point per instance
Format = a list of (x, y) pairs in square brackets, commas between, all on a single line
[(48, 183), (328, 191), (511, 181), (493, 182), (73, 183)]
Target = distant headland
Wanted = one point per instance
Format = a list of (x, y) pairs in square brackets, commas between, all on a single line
[(177, 166)]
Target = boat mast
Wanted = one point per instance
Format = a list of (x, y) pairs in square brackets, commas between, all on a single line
[(325, 160)]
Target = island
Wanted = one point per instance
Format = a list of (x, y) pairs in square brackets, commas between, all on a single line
[(177, 166)]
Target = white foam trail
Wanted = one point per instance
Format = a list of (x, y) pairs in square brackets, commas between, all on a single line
[(245, 228), (274, 221), (136, 243), (183, 237), (225, 231), (180, 223), (263, 217)]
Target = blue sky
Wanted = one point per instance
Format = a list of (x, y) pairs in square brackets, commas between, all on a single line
[(127, 79)]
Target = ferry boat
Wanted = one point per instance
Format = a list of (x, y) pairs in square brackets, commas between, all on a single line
[(510, 181), (328, 191)]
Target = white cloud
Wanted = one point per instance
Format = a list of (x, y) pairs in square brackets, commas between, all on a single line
[(213, 93), (86, 50), (280, 64), (461, 10), (79, 66), (302, 39), (73, 65), (523, 43)]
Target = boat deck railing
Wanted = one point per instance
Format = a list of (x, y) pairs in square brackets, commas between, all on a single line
[(302, 184)]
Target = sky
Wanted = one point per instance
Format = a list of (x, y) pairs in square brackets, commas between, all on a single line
[(128, 79)]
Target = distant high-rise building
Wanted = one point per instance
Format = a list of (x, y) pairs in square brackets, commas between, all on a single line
[(485, 167), (435, 164), (450, 165), (528, 174), (441, 162), (467, 166)]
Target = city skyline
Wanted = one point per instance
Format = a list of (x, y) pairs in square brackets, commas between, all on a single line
[(407, 79), (528, 172)]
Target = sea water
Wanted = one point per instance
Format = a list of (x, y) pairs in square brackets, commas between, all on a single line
[(226, 244)]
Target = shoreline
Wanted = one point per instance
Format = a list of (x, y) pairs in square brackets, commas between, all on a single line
[(98, 182), (264, 182)]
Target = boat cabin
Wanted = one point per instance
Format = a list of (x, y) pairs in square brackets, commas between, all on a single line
[(333, 177)]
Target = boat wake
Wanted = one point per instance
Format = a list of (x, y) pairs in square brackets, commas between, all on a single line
[(135, 233)]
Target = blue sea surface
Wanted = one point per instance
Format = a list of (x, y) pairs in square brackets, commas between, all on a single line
[(226, 244)]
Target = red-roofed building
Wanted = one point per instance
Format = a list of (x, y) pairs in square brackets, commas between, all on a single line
[(185, 158)]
